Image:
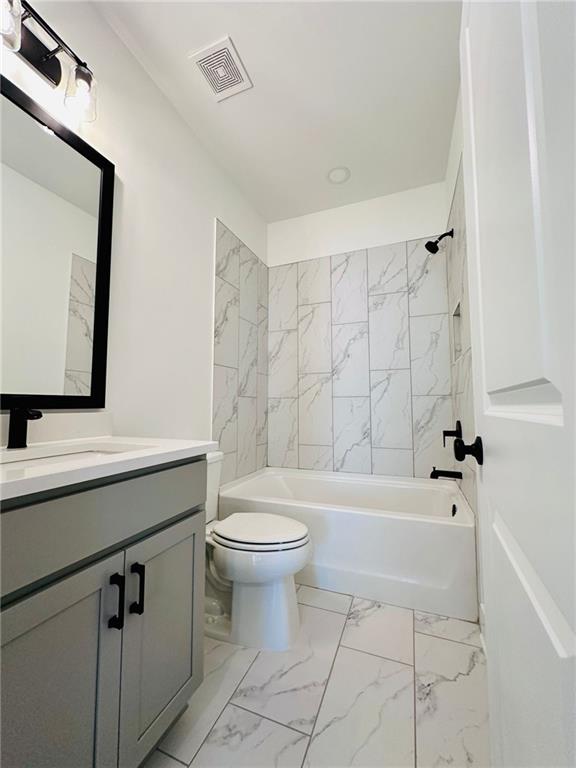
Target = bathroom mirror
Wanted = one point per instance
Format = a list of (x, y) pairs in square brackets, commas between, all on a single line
[(55, 260)]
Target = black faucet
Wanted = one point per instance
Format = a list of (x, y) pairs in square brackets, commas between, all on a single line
[(436, 473), (18, 427)]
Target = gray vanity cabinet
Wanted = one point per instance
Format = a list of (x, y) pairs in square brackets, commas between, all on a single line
[(61, 674), (98, 663), (161, 664)]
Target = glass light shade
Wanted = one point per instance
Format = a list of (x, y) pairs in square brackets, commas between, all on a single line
[(11, 24), (80, 95)]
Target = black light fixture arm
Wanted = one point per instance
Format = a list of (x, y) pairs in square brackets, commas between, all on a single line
[(30, 13)]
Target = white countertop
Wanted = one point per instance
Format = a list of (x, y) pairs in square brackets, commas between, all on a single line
[(44, 466)]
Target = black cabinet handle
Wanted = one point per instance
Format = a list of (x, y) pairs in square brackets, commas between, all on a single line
[(118, 580), (476, 449), (456, 432), (138, 607)]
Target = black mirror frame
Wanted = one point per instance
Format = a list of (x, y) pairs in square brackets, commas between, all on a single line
[(97, 396)]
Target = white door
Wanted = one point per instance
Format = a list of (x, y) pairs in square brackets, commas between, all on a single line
[(517, 64), (61, 673)]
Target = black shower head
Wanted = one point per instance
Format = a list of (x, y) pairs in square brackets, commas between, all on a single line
[(432, 245)]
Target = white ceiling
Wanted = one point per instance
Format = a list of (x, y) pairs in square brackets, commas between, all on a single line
[(371, 86)]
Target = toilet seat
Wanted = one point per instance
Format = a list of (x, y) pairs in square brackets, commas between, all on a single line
[(260, 532)]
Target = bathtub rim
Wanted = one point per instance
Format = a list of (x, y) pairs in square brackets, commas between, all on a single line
[(467, 520)]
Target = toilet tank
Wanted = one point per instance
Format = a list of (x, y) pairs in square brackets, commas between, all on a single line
[(213, 470)]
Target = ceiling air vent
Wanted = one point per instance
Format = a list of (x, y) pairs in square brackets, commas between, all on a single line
[(223, 69)]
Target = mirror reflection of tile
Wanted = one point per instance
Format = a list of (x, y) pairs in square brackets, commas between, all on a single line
[(79, 340)]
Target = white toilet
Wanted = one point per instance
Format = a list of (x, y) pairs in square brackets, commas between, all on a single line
[(259, 555)]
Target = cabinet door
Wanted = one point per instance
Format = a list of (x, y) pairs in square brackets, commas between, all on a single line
[(61, 673), (162, 644)]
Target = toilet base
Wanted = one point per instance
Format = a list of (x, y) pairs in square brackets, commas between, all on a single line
[(265, 616)]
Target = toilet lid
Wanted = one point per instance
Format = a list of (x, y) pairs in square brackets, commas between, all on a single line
[(260, 529)]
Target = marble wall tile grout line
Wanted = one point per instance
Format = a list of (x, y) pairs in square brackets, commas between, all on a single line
[(365, 387)]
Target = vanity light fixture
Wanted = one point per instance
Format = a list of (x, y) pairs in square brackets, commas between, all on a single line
[(11, 24), (26, 33), (81, 93)]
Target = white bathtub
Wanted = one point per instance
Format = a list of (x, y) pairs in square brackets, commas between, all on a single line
[(384, 538)]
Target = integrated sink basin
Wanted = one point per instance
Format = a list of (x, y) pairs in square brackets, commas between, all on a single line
[(45, 466), (58, 452)]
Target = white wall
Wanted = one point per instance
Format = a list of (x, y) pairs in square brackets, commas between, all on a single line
[(36, 261), (408, 215), (168, 194)]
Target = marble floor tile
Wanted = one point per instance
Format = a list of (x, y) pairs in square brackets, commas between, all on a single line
[(450, 629), (287, 687), (322, 598), (224, 667), (158, 759), (241, 738), (381, 629), (451, 704), (367, 715)]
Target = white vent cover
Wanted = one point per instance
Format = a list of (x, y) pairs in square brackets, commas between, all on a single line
[(223, 69)]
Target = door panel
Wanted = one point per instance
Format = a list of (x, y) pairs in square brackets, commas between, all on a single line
[(517, 62), (161, 653), (61, 674)]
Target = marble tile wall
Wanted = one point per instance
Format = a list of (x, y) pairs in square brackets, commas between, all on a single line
[(460, 344), (359, 362), (240, 383), (79, 341)]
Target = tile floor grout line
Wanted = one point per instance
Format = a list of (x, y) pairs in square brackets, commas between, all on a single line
[(328, 610), (338, 646), (377, 656), (270, 720), (228, 701), (448, 639), (170, 756)]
